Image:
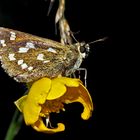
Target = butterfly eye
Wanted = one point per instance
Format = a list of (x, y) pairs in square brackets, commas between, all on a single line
[(82, 49)]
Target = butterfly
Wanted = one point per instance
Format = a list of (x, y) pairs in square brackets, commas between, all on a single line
[(27, 58)]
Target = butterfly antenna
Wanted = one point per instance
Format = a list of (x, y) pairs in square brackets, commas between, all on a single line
[(98, 40)]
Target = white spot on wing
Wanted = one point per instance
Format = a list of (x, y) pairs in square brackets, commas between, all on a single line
[(40, 57), (30, 68), (24, 66), (23, 50), (13, 35), (51, 50), (13, 38), (2, 42), (46, 61), (20, 62), (11, 57), (30, 45)]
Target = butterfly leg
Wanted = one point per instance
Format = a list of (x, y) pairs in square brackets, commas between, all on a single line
[(85, 75), (73, 75)]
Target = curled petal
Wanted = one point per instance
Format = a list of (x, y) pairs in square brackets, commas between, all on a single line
[(86, 100), (79, 94), (40, 127)]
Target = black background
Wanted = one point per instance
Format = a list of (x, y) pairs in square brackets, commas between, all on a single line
[(94, 19)]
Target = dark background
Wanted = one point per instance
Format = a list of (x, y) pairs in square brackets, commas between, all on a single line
[(94, 19)]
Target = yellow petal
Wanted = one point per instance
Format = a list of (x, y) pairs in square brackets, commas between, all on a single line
[(39, 90), (20, 103), (36, 96), (58, 89), (59, 84), (40, 127)]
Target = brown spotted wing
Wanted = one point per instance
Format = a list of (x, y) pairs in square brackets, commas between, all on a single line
[(27, 58)]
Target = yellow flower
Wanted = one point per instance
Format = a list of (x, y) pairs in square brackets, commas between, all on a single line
[(49, 95)]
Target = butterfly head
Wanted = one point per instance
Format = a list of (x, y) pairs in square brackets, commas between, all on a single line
[(83, 49)]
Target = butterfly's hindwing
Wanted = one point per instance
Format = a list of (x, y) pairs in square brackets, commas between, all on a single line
[(28, 58)]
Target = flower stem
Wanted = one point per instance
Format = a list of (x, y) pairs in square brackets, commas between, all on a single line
[(16, 122), (14, 126)]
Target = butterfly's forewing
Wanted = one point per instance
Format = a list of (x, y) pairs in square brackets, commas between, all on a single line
[(28, 58)]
